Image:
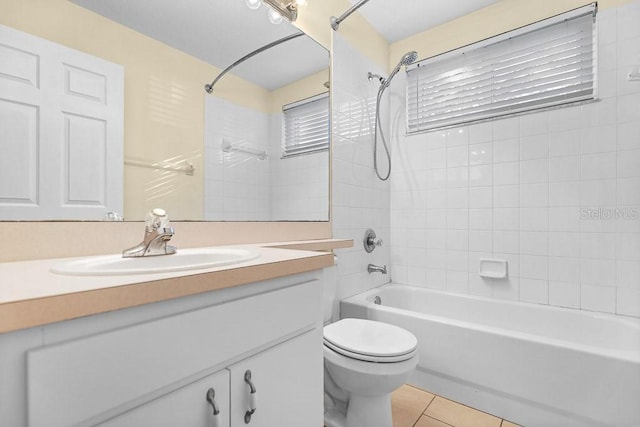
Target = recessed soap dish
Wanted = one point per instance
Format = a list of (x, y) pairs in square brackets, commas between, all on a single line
[(493, 268)]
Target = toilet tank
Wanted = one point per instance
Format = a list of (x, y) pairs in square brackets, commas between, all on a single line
[(330, 301)]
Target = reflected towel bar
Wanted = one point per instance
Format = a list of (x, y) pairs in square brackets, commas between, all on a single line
[(187, 169), (228, 147)]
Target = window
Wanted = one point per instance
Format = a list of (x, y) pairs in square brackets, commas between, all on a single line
[(305, 128), (545, 64)]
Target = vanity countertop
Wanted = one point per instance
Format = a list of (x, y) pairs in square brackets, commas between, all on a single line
[(30, 295)]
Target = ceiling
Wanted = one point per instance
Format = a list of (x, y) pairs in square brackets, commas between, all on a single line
[(399, 19), (220, 32)]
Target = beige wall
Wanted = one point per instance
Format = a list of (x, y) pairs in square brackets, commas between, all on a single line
[(498, 18)]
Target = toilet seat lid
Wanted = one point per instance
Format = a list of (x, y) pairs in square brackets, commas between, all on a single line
[(370, 338)]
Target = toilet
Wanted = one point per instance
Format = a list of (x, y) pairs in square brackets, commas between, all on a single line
[(364, 361)]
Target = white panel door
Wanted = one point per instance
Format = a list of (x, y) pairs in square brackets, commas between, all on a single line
[(288, 383), (61, 131)]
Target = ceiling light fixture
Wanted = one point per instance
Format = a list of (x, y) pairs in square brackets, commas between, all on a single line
[(253, 4), (285, 8), (274, 16)]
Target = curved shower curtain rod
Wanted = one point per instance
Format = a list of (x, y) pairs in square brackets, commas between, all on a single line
[(335, 22), (209, 87)]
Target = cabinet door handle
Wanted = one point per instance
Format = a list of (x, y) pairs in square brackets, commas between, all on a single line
[(211, 394), (252, 397)]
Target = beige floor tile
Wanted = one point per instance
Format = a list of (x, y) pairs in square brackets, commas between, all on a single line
[(425, 421), (459, 415), (506, 423), (407, 404)]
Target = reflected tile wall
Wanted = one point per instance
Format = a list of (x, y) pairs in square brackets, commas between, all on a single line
[(555, 193), (241, 187)]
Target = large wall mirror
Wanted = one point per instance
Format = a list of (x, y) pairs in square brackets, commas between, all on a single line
[(103, 108)]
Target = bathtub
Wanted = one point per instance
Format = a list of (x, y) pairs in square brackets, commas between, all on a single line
[(532, 364)]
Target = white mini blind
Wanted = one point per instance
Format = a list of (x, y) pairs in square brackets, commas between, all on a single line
[(545, 64), (305, 128)]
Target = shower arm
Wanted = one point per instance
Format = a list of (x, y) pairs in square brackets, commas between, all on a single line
[(335, 22), (209, 87)]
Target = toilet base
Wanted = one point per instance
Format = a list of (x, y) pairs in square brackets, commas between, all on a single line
[(362, 411), (369, 411)]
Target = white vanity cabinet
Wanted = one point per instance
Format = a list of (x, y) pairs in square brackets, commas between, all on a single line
[(186, 406), (287, 392), (153, 365)]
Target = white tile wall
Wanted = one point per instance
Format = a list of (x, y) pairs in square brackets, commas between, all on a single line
[(360, 200), (556, 193)]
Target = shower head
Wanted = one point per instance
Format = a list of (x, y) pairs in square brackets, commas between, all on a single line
[(407, 59)]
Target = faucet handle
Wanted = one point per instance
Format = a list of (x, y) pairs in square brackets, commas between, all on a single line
[(371, 240), (156, 218)]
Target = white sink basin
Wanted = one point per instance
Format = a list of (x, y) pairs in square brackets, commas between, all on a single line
[(184, 259)]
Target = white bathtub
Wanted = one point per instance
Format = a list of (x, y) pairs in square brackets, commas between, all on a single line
[(532, 364)]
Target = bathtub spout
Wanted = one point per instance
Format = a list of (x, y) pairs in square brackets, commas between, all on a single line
[(371, 268)]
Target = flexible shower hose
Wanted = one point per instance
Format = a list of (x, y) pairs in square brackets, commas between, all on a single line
[(375, 139)]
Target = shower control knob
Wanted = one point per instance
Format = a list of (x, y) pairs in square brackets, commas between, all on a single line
[(371, 240)]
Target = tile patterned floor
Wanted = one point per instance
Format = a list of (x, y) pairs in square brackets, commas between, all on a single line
[(413, 407)]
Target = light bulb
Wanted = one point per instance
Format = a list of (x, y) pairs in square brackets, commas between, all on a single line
[(274, 16), (253, 4)]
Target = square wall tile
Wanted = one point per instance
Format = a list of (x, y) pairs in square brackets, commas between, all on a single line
[(507, 242), (534, 242), (598, 298), (598, 272), (506, 173), (534, 195), (506, 196), (598, 245), (628, 302), (534, 219), (480, 176), (628, 274), (534, 123), (564, 244), (480, 241), (457, 282), (534, 171), (565, 143), (564, 269), (506, 128), (565, 168), (506, 150), (480, 219), (600, 139), (505, 219), (534, 147), (535, 291), (564, 294), (534, 267), (598, 166), (480, 197), (481, 154), (480, 132)]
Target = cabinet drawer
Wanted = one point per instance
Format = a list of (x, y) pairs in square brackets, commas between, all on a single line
[(93, 379), (186, 406)]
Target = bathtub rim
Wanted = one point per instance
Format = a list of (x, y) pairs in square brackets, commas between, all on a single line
[(633, 356)]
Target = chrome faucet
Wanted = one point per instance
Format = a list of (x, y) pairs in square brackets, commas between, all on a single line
[(371, 268), (156, 235)]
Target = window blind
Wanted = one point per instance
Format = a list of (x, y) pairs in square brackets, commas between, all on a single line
[(541, 65), (305, 127)]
